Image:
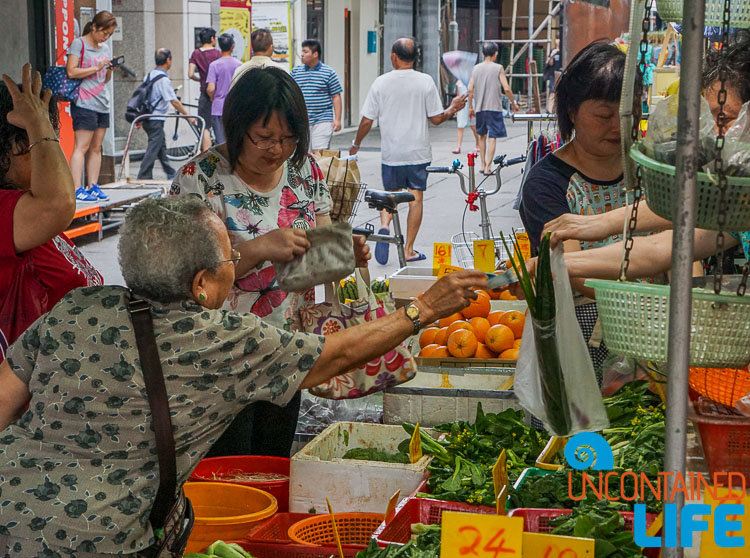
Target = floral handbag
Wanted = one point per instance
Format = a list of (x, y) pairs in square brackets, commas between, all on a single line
[(394, 367)]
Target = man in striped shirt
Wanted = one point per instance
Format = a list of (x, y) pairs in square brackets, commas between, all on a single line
[(322, 91)]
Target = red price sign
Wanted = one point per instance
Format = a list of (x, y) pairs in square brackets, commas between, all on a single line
[(481, 536), (441, 255)]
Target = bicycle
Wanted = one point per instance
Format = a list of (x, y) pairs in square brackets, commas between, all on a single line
[(386, 201)]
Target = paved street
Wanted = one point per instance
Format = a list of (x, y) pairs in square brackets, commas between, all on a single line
[(443, 202)]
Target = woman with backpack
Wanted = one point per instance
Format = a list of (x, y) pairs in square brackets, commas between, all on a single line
[(89, 60)]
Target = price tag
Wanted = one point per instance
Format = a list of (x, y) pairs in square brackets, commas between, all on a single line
[(522, 239), (481, 536), (390, 509), (543, 545), (446, 269), (484, 255), (441, 255), (500, 480), (415, 446), (709, 548)]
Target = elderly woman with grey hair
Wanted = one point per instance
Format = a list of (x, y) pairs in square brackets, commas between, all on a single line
[(79, 467)]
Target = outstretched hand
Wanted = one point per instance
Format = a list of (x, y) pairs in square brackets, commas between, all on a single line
[(30, 109), (451, 293), (570, 226)]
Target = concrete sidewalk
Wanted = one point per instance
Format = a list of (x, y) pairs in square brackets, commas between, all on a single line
[(444, 203)]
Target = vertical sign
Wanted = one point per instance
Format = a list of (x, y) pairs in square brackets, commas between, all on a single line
[(484, 255), (441, 255), (274, 16), (235, 21), (64, 26)]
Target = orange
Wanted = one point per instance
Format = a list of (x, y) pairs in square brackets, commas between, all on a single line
[(440, 352), (494, 294), (517, 344), (428, 350), (479, 307), (441, 337), (478, 290), (510, 354), (494, 317), (427, 336), (506, 295), (460, 324), (462, 343), (480, 326), (448, 320), (499, 338), (514, 320), (483, 352)]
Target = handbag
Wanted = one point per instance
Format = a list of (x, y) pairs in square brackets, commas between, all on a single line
[(394, 367), (329, 258), (63, 87), (171, 518)]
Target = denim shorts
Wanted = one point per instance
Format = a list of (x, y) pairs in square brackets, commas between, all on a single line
[(413, 177), (87, 119), (491, 122)]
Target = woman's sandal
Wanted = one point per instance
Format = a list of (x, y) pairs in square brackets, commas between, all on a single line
[(456, 151)]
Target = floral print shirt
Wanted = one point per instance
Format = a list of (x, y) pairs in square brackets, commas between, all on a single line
[(295, 202), (79, 469)]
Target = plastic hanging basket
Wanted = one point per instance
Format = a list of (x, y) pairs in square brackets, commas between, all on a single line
[(660, 192), (671, 10), (635, 323)]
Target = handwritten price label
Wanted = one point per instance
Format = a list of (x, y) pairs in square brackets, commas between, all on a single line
[(441, 255), (390, 509), (542, 545), (522, 239), (415, 446), (446, 269), (481, 536), (484, 255), (500, 480)]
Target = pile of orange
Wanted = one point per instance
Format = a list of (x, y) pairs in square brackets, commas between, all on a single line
[(475, 332)]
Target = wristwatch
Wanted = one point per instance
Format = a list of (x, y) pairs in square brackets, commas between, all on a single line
[(412, 312)]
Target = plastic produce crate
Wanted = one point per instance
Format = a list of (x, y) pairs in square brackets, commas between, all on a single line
[(407, 282), (319, 472), (725, 436)]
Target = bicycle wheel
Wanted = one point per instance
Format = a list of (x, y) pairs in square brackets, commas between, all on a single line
[(181, 153)]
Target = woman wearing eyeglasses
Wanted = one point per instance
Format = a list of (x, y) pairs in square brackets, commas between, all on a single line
[(267, 189)]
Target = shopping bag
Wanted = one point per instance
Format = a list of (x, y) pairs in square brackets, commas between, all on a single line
[(394, 367), (584, 400), (343, 180)]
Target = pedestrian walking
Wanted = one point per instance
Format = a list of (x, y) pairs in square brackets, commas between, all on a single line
[(89, 60), (219, 79), (551, 74), (463, 121), (486, 87), (262, 43), (322, 91), (162, 96), (403, 100), (200, 60)]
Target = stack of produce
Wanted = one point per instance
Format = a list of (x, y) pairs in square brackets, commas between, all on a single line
[(348, 288)]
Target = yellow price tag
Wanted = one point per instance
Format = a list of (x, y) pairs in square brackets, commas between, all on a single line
[(543, 545), (441, 255), (709, 548), (500, 480), (415, 446), (522, 239), (484, 255), (390, 509), (481, 536), (446, 269)]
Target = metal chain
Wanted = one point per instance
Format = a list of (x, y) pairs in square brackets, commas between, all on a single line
[(721, 217), (637, 191)]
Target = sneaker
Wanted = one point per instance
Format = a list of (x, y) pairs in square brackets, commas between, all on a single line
[(85, 195), (96, 191)]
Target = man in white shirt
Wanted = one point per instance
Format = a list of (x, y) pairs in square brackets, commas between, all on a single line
[(262, 43), (403, 100)]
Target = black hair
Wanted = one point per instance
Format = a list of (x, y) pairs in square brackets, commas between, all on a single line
[(161, 56), (261, 40), (257, 94), (314, 46), (12, 138), (489, 49), (102, 20), (406, 48), (595, 74), (206, 34), (737, 67), (226, 42)]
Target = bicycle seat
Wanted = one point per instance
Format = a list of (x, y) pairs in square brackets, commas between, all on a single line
[(386, 200)]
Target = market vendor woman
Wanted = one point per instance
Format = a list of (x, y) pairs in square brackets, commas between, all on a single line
[(78, 469)]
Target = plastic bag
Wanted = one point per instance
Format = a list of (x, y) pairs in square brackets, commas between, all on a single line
[(737, 144), (316, 413), (581, 387)]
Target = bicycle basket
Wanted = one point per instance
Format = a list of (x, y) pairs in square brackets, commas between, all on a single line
[(345, 199), (463, 248)]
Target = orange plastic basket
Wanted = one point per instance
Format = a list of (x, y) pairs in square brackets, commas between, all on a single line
[(723, 385), (353, 528)]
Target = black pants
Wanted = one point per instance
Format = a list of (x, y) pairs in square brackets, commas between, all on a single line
[(261, 428), (156, 149)]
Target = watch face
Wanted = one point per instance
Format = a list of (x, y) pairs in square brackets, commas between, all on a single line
[(412, 311)]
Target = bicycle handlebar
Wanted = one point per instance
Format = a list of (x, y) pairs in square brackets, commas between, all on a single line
[(440, 169), (515, 161)]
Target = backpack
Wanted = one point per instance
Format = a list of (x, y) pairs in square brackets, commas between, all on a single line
[(140, 101)]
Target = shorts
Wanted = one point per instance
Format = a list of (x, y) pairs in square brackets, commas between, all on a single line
[(204, 109), (413, 177), (490, 122), (87, 119), (320, 135)]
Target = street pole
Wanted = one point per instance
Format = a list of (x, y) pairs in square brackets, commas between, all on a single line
[(680, 302), (481, 27), (453, 28), (530, 57)]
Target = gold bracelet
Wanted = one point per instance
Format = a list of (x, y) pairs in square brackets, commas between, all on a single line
[(37, 142)]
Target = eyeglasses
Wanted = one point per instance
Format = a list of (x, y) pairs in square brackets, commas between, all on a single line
[(235, 259), (269, 143)]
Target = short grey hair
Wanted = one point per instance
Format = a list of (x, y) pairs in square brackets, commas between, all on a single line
[(163, 244)]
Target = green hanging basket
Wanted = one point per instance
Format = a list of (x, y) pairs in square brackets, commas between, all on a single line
[(635, 323), (671, 10), (660, 192)]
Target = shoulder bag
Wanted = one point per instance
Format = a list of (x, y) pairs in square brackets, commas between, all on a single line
[(63, 87), (171, 517)]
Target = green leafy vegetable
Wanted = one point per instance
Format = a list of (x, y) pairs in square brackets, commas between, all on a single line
[(374, 454)]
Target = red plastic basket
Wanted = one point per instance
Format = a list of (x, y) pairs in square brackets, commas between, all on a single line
[(725, 436), (213, 469), (272, 550), (355, 529), (419, 510)]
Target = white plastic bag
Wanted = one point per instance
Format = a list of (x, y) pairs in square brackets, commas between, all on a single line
[(587, 411)]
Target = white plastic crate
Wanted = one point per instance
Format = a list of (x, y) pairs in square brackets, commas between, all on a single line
[(318, 472), (408, 282)]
